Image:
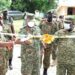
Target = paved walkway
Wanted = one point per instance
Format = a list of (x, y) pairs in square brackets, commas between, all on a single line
[(16, 63)]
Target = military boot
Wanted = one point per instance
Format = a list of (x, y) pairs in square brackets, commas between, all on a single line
[(45, 71)]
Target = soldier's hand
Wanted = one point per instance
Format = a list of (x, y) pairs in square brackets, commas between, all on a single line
[(18, 41), (27, 42)]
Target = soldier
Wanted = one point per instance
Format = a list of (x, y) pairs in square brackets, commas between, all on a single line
[(11, 26), (66, 50), (10, 50), (60, 22), (37, 18), (37, 13), (8, 28), (8, 22), (10, 19), (30, 54), (48, 28)]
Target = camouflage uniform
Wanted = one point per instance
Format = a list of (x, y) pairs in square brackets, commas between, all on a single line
[(58, 23), (7, 29), (30, 54), (65, 53), (3, 59), (37, 21), (48, 29)]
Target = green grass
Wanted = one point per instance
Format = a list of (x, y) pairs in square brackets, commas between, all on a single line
[(17, 25)]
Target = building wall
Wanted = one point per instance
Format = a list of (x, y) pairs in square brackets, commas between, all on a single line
[(63, 6), (62, 11)]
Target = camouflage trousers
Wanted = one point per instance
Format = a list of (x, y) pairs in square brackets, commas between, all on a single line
[(3, 66), (47, 53), (2, 70), (30, 63), (65, 69), (3, 61)]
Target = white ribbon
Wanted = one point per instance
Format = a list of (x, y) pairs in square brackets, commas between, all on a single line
[(35, 36)]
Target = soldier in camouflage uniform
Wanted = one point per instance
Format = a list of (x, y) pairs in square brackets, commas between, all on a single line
[(30, 54), (60, 22), (8, 28), (66, 51), (48, 28)]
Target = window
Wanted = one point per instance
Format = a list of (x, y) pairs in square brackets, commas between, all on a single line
[(70, 11)]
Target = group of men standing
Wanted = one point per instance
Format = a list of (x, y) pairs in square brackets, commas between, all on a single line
[(62, 49), (31, 50)]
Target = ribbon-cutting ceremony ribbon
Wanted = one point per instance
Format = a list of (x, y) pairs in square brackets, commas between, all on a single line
[(46, 38)]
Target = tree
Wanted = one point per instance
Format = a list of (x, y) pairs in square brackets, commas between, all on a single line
[(32, 5), (4, 4)]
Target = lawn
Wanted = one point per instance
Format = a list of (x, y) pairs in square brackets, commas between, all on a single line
[(17, 25)]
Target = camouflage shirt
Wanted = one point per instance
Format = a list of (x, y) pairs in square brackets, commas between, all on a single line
[(48, 28), (30, 53), (33, 31), (66, 48)]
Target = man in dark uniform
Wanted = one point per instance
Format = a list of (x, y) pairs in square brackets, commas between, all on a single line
[(48, 28)]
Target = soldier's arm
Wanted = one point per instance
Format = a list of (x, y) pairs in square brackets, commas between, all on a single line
[(5, 44), (10, 44)]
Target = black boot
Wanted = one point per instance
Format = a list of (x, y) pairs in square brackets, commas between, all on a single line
[(10, 63), (45, 71)]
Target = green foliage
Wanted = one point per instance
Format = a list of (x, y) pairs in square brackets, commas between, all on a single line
[(4, 4), (32, 5), (17, 5)]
